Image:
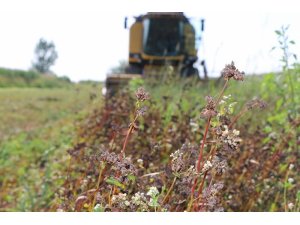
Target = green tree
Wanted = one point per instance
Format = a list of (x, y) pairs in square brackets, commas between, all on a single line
[(45, 56)]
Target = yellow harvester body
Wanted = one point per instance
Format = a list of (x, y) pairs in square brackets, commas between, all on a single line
[(156, 40)]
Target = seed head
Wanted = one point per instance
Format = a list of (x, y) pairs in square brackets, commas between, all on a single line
[(211, 104), (229, 138), (141, 94), (177, 162), (220, 165), (230, 71), (256, 103), (210, 108), (141, 111)]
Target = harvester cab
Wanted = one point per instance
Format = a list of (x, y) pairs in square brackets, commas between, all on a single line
[(159, 39)]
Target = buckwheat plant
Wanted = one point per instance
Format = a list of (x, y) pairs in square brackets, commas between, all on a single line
[(123, 165), (154, 194), (141, 96), (183, 170), (224, 142)]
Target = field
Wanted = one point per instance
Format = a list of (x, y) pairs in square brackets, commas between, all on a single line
[(165, 147), (36, 127)]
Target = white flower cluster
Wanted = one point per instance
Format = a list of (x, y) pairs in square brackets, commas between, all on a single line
[(291, 180), (231, 137), (121, 200), (138, 198), (191, 171), (291, 206), (291, 166), (138, 202), (140, 163), (207, 166), (227, 96), (177, 154), (224, 99), (226, 107), (153, 192)]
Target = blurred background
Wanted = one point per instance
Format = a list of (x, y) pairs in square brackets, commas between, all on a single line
[(90, 37)]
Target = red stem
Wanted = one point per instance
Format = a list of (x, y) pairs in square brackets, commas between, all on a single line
[(202, 144), (198, 167), (127, 137), (222, 92), (200, 189), (239, 115)]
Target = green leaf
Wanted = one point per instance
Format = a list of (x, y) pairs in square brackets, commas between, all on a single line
[(283, 167), (268, 129), (287, 185), (266, 140), (298, 195), (292, 42), (273, 207), (279, 103), (277, 32), (98, 208), (115, 182), (131, 177)]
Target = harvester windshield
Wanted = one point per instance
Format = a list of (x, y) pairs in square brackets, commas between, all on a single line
[(163, 36)]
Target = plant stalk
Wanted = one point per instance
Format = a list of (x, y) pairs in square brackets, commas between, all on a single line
[(198, 167), (129, 131), (101, 169), (169, 191)]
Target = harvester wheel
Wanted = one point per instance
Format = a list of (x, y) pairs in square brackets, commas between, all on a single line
[(189, 72)]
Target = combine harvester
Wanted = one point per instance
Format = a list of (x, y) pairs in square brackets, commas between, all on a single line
[(156, 40)]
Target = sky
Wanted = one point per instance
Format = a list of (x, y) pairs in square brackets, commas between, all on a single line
[(90, 38)]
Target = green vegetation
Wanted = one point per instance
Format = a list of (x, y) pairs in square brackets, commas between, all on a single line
[(36, 128), (21, 78), (26, 109)]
